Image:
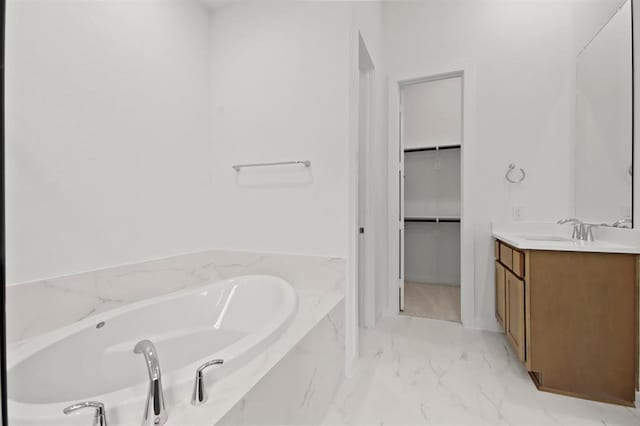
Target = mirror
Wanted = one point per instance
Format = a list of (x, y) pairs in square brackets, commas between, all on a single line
[(604, 124)]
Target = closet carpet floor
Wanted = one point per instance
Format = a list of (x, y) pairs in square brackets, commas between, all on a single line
[(434, 301)]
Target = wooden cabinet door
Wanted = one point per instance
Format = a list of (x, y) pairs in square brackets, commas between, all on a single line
[(501, 295), (515, 318)]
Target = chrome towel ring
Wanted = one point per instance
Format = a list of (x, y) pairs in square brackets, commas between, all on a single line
[(509, 172)]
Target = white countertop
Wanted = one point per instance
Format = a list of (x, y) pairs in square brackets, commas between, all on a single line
[(531, 236)]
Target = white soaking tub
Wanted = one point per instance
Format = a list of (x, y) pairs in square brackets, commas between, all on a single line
[(94, 360)]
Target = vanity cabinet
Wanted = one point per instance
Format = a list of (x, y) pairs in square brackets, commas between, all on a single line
[(510, 297), (572, 319)]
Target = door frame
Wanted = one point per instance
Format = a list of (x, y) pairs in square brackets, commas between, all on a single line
[(401, 175), (467, 207), (358, 54), (366, 241)]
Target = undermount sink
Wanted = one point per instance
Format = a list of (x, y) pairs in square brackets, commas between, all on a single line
[(546, 238)]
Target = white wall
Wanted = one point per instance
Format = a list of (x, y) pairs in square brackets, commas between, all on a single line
[(280, 92), (432, 113), (176, 97), (284, 81), (188, 95), (107, 144), (521, 54), (156, 173)]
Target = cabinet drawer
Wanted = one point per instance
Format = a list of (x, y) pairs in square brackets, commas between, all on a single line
[(512, 258), (506, 255)]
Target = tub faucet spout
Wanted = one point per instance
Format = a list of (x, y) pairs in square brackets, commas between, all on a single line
[(155, 413)]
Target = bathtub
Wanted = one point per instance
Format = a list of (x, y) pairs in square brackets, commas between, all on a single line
[(93, 359)]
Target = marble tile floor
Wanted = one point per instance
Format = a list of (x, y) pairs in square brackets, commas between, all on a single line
[(422, 371), (435, 301)]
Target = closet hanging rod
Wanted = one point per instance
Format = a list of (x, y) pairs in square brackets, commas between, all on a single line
[(433, 148), (433, 219), (237, 167)]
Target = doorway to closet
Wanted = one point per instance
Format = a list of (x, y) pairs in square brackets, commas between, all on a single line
[(430, 197)]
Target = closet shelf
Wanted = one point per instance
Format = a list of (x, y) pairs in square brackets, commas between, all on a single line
[(433, 219), (432, 148)]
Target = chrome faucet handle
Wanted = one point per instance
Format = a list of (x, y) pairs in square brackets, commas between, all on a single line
[(100, 416), (588, 230), (584, 231), (199, 395), (577, 231)]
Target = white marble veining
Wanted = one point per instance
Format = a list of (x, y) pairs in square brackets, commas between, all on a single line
[(551, 236), (301, 387), (323, 309), (421, 371), (37, 307)]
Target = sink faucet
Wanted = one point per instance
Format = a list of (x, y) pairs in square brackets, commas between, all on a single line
[(581, 231), (578, 227), (155, 413)]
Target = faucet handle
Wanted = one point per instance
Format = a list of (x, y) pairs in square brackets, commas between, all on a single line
[(100, 417), (199, 395), (577, 229), (588, 230)]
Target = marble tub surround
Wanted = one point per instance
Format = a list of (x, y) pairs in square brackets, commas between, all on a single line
[(38, 307), (306, 380), (233, 320), (421, 371), (316, 334), (304, 389), (531, 236)]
